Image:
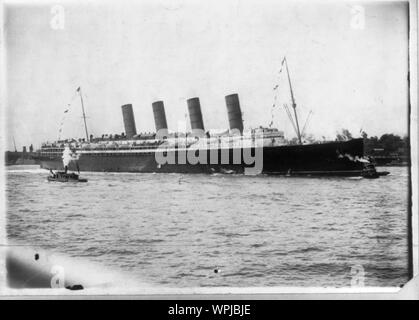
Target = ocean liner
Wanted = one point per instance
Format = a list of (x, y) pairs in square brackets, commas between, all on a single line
[(262, 150)]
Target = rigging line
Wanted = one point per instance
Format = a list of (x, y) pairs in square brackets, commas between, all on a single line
[(272, 110), (276, 88), (272, 117), (305, 124), (294, 105), (72, 99), (62, 121), (290, 117), (14, 143), (84, 115), (288, 113), (68, 106)]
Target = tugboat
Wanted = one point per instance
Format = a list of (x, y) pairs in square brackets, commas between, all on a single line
[(63, 176), (370, 172)]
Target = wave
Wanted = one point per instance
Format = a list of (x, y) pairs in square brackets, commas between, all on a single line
[(258, 245), (121, 252), (146, 241), (38, 170), (76, 215), (230, 234), (305, 250)]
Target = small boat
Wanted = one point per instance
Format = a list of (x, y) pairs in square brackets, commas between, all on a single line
[(370, 172), (63, 176)]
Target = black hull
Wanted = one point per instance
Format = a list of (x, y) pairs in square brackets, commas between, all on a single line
[(51, 179), (325, 159), (20, 158)]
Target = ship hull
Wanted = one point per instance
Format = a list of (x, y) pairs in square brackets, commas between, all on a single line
[(325, 159)]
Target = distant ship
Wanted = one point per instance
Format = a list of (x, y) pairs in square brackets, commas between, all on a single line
[(132, 152)]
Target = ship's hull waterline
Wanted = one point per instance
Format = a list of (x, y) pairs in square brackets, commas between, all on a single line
[(324, 159)]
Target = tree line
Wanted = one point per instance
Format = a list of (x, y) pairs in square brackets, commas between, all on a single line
[(387, 144)]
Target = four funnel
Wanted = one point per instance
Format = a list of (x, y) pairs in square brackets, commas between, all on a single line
[(194, 107)]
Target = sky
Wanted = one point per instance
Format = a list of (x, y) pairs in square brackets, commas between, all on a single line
[(348, 64)]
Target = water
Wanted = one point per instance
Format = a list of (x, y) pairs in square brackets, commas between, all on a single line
[(175, 230)]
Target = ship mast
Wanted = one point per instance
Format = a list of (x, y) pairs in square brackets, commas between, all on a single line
[(14, 143), (294, 105), (84, 115)]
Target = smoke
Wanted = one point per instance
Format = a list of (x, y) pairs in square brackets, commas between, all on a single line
[(69, 156), (362, 160), (352, 158)]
